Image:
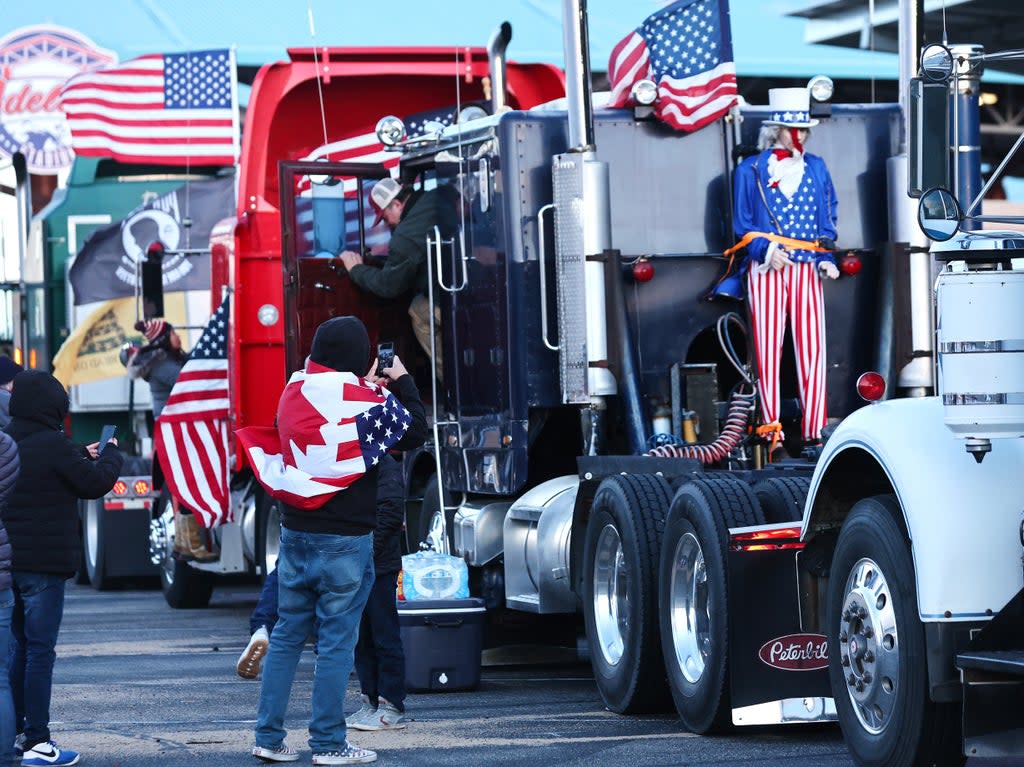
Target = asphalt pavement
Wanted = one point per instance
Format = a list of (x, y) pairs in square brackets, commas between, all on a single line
[(138, 684)]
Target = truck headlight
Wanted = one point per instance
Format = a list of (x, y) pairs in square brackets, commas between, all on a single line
[(390, 130), (644, 92)]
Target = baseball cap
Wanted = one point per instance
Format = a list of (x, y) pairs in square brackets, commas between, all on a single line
[(383, 194)]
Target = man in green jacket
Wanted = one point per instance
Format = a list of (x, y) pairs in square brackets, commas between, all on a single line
[(412, 216)]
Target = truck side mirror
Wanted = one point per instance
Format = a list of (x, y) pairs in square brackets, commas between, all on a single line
[(938, 214), (936, 63), (152, 268)]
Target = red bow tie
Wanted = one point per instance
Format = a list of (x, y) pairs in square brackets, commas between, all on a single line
[(782, 154)]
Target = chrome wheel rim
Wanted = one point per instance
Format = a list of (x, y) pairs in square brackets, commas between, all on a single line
[(869, 648), (161, 543), (612, 609), (689, 605)]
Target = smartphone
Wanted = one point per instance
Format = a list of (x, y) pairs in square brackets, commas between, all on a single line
[(385, 355), (106, 435)]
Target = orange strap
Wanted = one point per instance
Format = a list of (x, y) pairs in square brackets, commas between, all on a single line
[(771, 432), (788, 242)]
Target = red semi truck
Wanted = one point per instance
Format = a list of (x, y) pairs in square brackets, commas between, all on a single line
[(322, 102)]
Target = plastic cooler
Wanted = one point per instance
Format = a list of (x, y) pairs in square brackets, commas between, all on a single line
[(442, 639)]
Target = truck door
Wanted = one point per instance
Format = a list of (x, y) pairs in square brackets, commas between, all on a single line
[(325, 209)]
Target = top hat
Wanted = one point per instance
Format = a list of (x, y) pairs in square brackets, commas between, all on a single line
[(790, 107)]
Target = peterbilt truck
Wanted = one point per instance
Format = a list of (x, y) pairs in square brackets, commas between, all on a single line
[(874, 582)]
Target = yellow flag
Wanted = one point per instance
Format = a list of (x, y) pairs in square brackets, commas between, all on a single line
[(91, 352)]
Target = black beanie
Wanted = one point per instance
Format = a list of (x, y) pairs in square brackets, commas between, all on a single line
[(342, 344)]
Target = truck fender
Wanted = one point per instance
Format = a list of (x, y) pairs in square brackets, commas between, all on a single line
[(962, 518)]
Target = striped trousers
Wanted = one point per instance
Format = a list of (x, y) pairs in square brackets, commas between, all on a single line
[(794, 291)]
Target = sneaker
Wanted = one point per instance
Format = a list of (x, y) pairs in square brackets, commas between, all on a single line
[(365, 715), (47, 754), (385, 717), (283, 753), (251, 659), (348, 755)]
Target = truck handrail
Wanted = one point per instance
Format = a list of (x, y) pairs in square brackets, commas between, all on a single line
[(542, 261), (434, 243)]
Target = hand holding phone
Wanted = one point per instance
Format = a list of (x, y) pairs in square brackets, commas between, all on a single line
[(106, 435), (385, 356)]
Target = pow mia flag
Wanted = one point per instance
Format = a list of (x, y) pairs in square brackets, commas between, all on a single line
[(106, 267)]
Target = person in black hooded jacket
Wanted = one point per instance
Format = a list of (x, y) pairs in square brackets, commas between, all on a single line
[(9, 465), (41, 518)]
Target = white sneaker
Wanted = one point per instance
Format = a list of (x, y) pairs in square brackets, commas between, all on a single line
[(349, 755), (251, 659), (49, 755), (366, 714), (283, 753), (385, 717)]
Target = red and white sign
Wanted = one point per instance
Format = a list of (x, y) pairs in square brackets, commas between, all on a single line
[(796, 652), (34, 64)]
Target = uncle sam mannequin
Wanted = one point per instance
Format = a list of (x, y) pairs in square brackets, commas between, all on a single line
[(785, 199)]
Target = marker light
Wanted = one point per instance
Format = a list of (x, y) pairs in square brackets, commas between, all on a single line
[(120, 487), (871, 387), (140, 487), (643, 270)]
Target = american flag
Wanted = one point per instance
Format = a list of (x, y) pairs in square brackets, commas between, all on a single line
[(172, 109), (332, 427), (191, 433), (686, 49)]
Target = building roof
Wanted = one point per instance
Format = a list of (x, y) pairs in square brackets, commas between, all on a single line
[(767, 42), (994, 24)]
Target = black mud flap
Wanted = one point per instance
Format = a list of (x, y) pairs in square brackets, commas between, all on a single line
[(779, 673)]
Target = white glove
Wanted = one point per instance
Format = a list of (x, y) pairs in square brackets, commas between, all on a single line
[(828, 269), (776, 257)]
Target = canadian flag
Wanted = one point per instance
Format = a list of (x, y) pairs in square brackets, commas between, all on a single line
[(331, 428)]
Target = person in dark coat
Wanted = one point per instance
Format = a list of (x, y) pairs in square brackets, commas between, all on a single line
[(325, 567), (380, 659), (9, 465), (41, 518)]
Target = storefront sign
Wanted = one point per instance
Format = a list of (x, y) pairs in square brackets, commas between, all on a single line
[(34, 64)]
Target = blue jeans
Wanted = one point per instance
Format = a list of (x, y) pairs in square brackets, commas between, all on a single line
[(7, 728), (328, 578), (265, 612), (38, 609), (380, 660)]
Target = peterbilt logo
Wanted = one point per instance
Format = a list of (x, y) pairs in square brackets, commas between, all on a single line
[(796, 652)]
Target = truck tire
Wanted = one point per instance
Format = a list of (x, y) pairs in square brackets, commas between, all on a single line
[(782, 499), (694, 598), (620, 563), (877, 658), (183, 586), (94, 563)]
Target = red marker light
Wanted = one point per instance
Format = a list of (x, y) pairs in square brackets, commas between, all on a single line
[(871, 387), (141, 487), (120, 487), (643, 270), (155, 249), (850, 264)]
